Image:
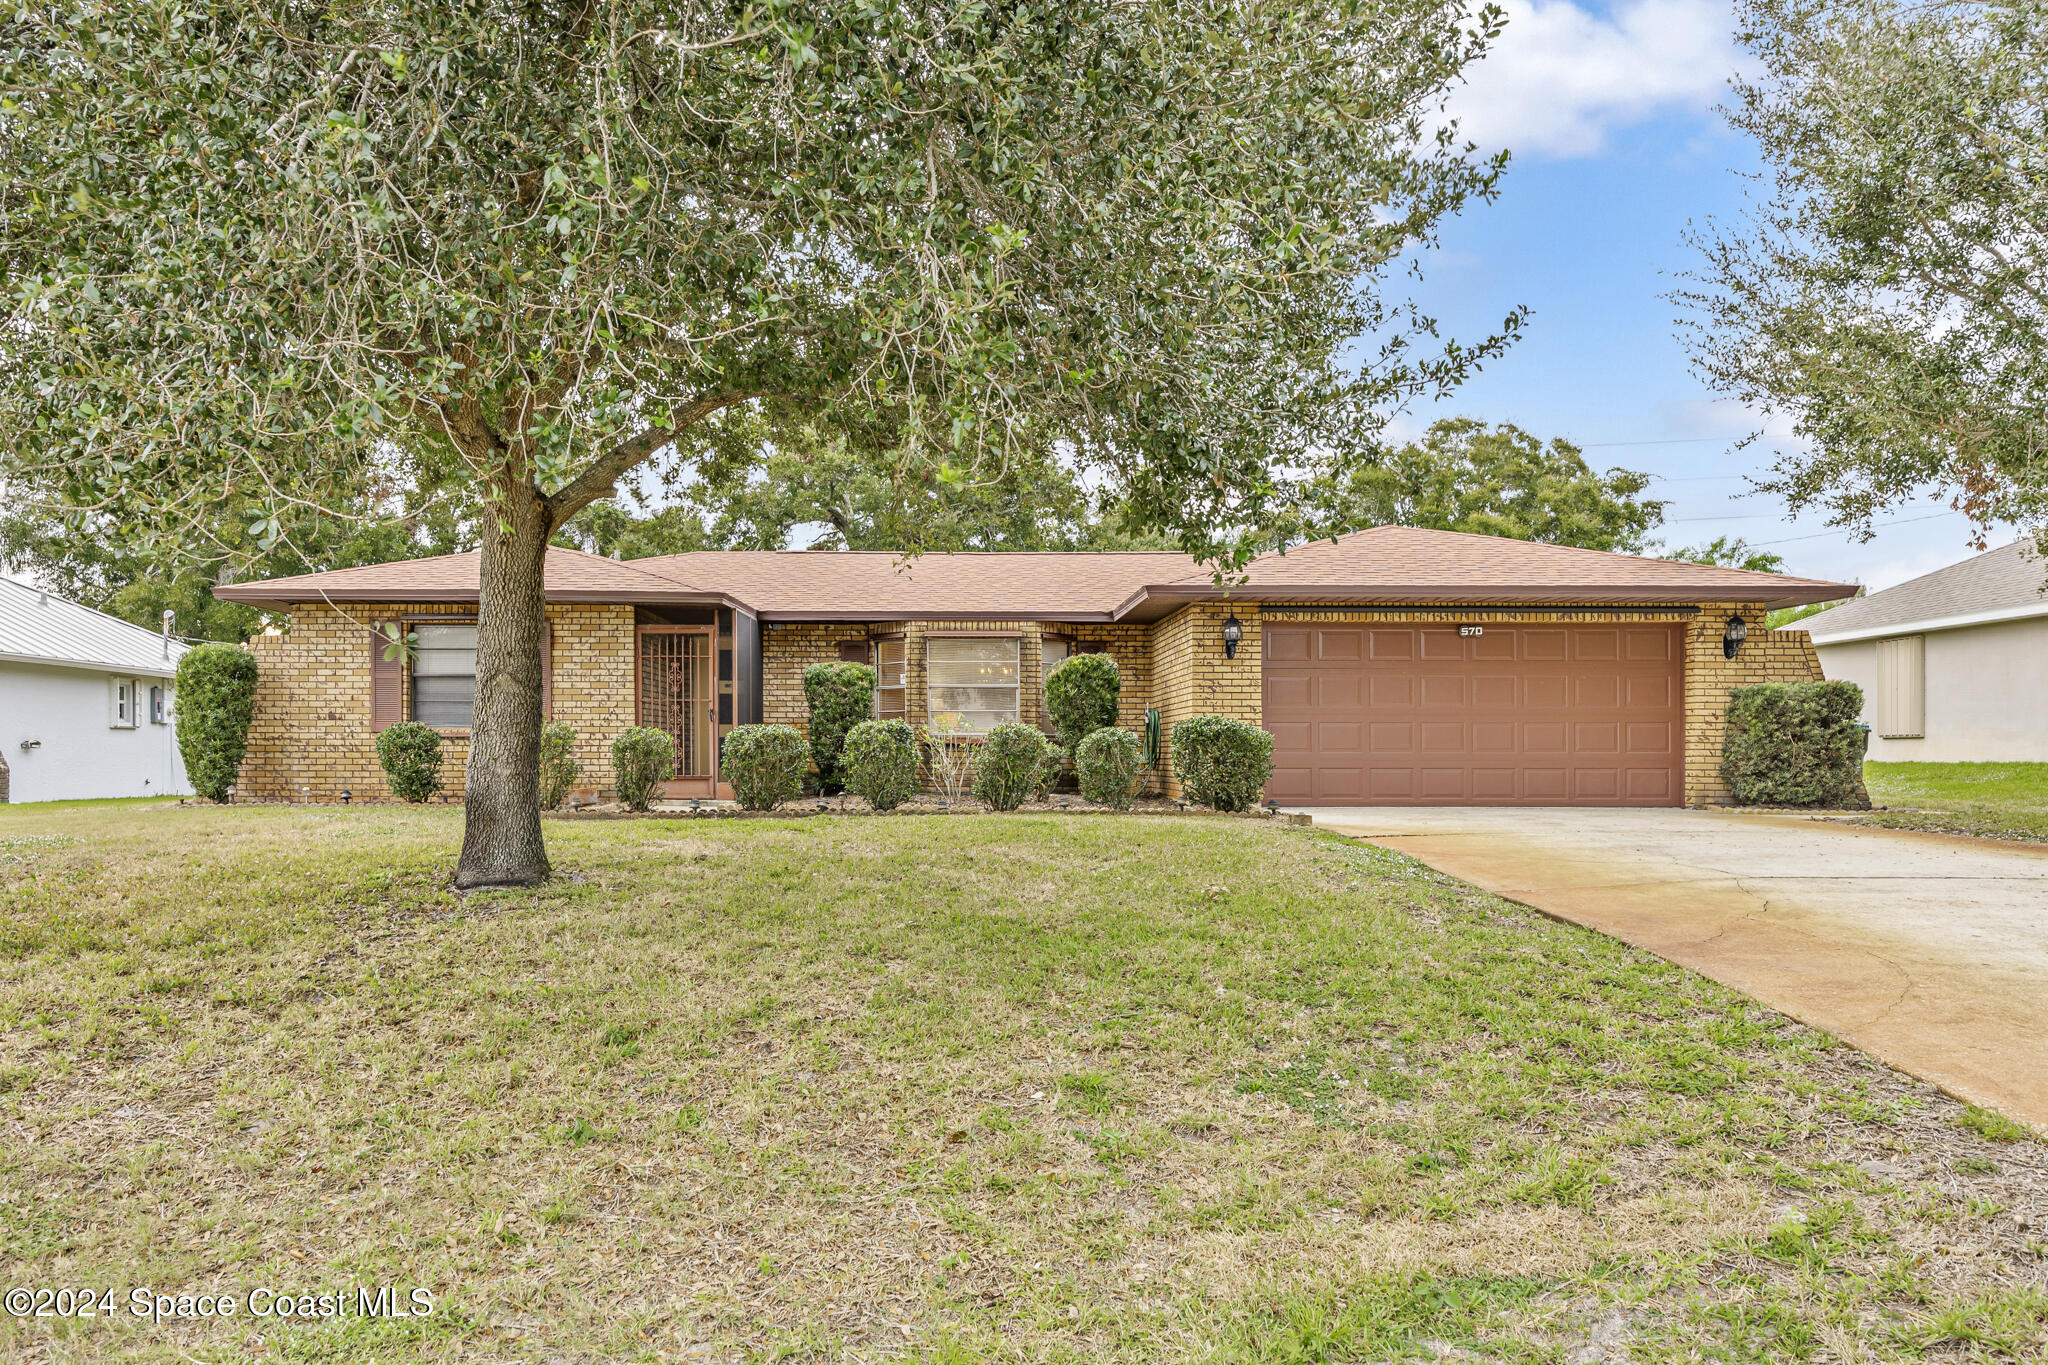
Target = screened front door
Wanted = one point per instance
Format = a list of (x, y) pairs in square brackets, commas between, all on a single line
[(678, 693)]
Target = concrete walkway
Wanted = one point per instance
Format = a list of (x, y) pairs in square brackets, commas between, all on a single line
[(1927, 950)]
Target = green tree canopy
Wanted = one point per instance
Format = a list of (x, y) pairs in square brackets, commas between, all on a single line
[(268, 256), (1729, 552), (1888, 291), (1499, 481)]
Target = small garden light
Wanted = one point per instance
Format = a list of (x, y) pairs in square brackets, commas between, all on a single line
[(1233, 635), (346, 796), (1732, 638)]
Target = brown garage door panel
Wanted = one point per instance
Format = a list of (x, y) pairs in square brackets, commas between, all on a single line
[(1421, 715)]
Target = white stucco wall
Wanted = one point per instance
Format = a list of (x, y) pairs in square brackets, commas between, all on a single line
[(81, 755), (1987, 693)]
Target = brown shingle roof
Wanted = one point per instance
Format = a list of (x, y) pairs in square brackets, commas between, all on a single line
[(1416, 564), (571, 576), (1392, 564), (882, 585)]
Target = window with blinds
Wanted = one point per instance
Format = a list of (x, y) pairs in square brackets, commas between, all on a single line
[(971, 682), (889, 683), (1902, 687), (444, 676)]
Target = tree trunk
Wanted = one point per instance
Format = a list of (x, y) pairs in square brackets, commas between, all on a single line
[(501, 838)]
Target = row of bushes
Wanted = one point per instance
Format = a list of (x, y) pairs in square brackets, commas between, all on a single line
[(1222, 763)]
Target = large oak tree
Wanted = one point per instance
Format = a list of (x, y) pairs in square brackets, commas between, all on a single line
[(1889, 291), (262, 255)]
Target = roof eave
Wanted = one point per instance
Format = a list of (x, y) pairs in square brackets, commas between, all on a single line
[(264, 595), (1787, 593), (167, 668), (1928, 625)]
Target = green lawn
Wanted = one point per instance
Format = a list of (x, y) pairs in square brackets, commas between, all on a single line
[(946, 1089), (1994, 800)]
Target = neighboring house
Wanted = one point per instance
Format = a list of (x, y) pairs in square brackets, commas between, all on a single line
[(1393, 665), (85, 703), (1953, 665)]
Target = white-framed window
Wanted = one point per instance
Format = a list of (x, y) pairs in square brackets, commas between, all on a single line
[(1902, 687), (444, 675), (889, 680), (159, 705), (121, 703), (971, 681)]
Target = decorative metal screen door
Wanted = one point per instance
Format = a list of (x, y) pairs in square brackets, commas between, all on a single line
[(677, 694)]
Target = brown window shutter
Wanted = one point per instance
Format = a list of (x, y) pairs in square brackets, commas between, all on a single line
[(853, 651), (547, 671), (387, 680)]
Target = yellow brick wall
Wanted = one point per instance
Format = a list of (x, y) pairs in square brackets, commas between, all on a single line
[(311, 737), (1193, 678), (788, 648), (1780, 656)]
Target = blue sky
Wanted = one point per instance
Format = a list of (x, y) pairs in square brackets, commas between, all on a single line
[(1608, 110)]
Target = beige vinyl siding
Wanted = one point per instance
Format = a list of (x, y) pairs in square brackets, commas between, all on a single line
[(1902, 687)]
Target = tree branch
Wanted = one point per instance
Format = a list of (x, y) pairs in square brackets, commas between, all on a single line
[(601, 475)]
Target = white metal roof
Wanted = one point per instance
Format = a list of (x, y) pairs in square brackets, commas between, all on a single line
[(41, 628)]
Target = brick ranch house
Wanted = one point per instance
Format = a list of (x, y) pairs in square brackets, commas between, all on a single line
[(1393, 665)]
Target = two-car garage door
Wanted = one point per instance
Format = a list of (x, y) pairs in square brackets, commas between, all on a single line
[(1510, 715)]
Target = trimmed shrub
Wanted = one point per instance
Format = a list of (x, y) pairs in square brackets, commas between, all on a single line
[(1049, 769), (880, 762), (1081, 695), (1008, 771), (1222, 763), (840, 696), (410, 755), (765, 765), (1795, 744), (558, 765), (1108, 763), (216, 698), (642, 759)]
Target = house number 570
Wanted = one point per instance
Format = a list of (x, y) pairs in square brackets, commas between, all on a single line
[(1471, 630)]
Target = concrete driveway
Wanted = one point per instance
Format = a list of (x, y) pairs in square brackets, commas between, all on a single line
[(1927, 950)]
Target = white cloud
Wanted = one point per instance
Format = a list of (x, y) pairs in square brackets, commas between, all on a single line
[(1560, 79)]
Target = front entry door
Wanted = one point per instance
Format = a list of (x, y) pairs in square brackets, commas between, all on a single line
[(676, 693)]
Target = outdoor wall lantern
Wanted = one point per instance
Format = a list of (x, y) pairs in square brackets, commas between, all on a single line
[(1233, 635), (1732, 638)]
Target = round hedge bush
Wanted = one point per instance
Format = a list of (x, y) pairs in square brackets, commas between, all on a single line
[(215, 699), (840, 696), (642, 759), (558, 765), (1010, 766), (410, 755), (765, 764), (880, 762), (1108, 763), (1795, 744), (1222, 763), (1081, 697)]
